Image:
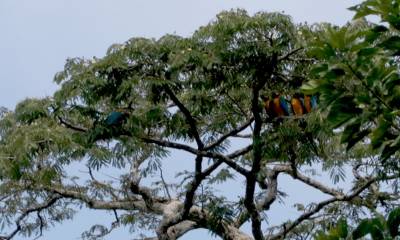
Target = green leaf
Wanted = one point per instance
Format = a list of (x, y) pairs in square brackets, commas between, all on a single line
[(310, 87), (392, 43), (379, 133), (342, 229), (15, 173), (369, 226), (48, 175), (393, 222), (367, 52), (394, 20), (362, 229), (350, 130), (352, 134), (341, 111), (362, 12), (375, 33), (387, 151), (30, 110), (338, 72)]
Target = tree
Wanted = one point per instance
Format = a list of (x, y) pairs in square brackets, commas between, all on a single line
[(197, 95)]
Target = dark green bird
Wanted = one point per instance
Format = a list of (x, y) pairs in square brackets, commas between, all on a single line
[(111, 126), (115, 118)]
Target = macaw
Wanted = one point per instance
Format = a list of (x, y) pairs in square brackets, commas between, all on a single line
[(109, 127), (266, 104), (279, 106), (276, 107), (313, 102), (310, 103), (285, 106), (297, 105), (115, 118), (307, 103)]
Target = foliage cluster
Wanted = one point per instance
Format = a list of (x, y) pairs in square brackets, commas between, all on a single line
[(147, 99)]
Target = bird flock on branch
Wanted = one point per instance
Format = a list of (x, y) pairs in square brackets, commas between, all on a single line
[(279, 106), (276, 106)]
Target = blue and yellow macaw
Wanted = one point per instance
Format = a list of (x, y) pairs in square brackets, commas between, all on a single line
[(285, 106), (276, 107), (310, 103), (314, 102), (297, 105)]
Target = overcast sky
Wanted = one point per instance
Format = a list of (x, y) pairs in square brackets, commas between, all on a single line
[(37, 36)]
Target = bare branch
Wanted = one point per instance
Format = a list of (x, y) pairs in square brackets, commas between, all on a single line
[(165, 184), (144, 192), (197, 218), (229, 134), (131, 203), (189, 118), (272, 188), (226, 159), (251, 178), (242, 135), (26, 212), (307, 180), (286, 56), (344, 198), (198, 178), (71, 126)]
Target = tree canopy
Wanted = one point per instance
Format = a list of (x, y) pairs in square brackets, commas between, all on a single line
[(205, 95)]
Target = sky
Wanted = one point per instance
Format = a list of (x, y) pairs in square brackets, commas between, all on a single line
[(36, 37)]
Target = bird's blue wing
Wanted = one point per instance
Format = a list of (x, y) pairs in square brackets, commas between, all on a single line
[(314, 102), (285, 106)]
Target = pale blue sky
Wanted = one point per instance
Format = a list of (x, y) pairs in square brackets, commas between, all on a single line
[(36, 36)]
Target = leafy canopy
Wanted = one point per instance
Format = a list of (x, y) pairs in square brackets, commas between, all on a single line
[(358, 78), (129, 110)]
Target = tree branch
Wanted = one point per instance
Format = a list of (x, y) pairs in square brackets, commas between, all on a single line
[(197, 218), (189, 118), (128, 204), (188, 203), (286, 56), (26, 212), (229, 134), (200, 176), (251, 178), (226, 159), (344, 198), (307, 180), (71, 126)]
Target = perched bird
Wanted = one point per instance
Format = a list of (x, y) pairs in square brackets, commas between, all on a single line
[(307, 103), (285, 106), (297, 105), (310, 103), (115, 118), (276, 107), (313, 102), (109, 127)]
